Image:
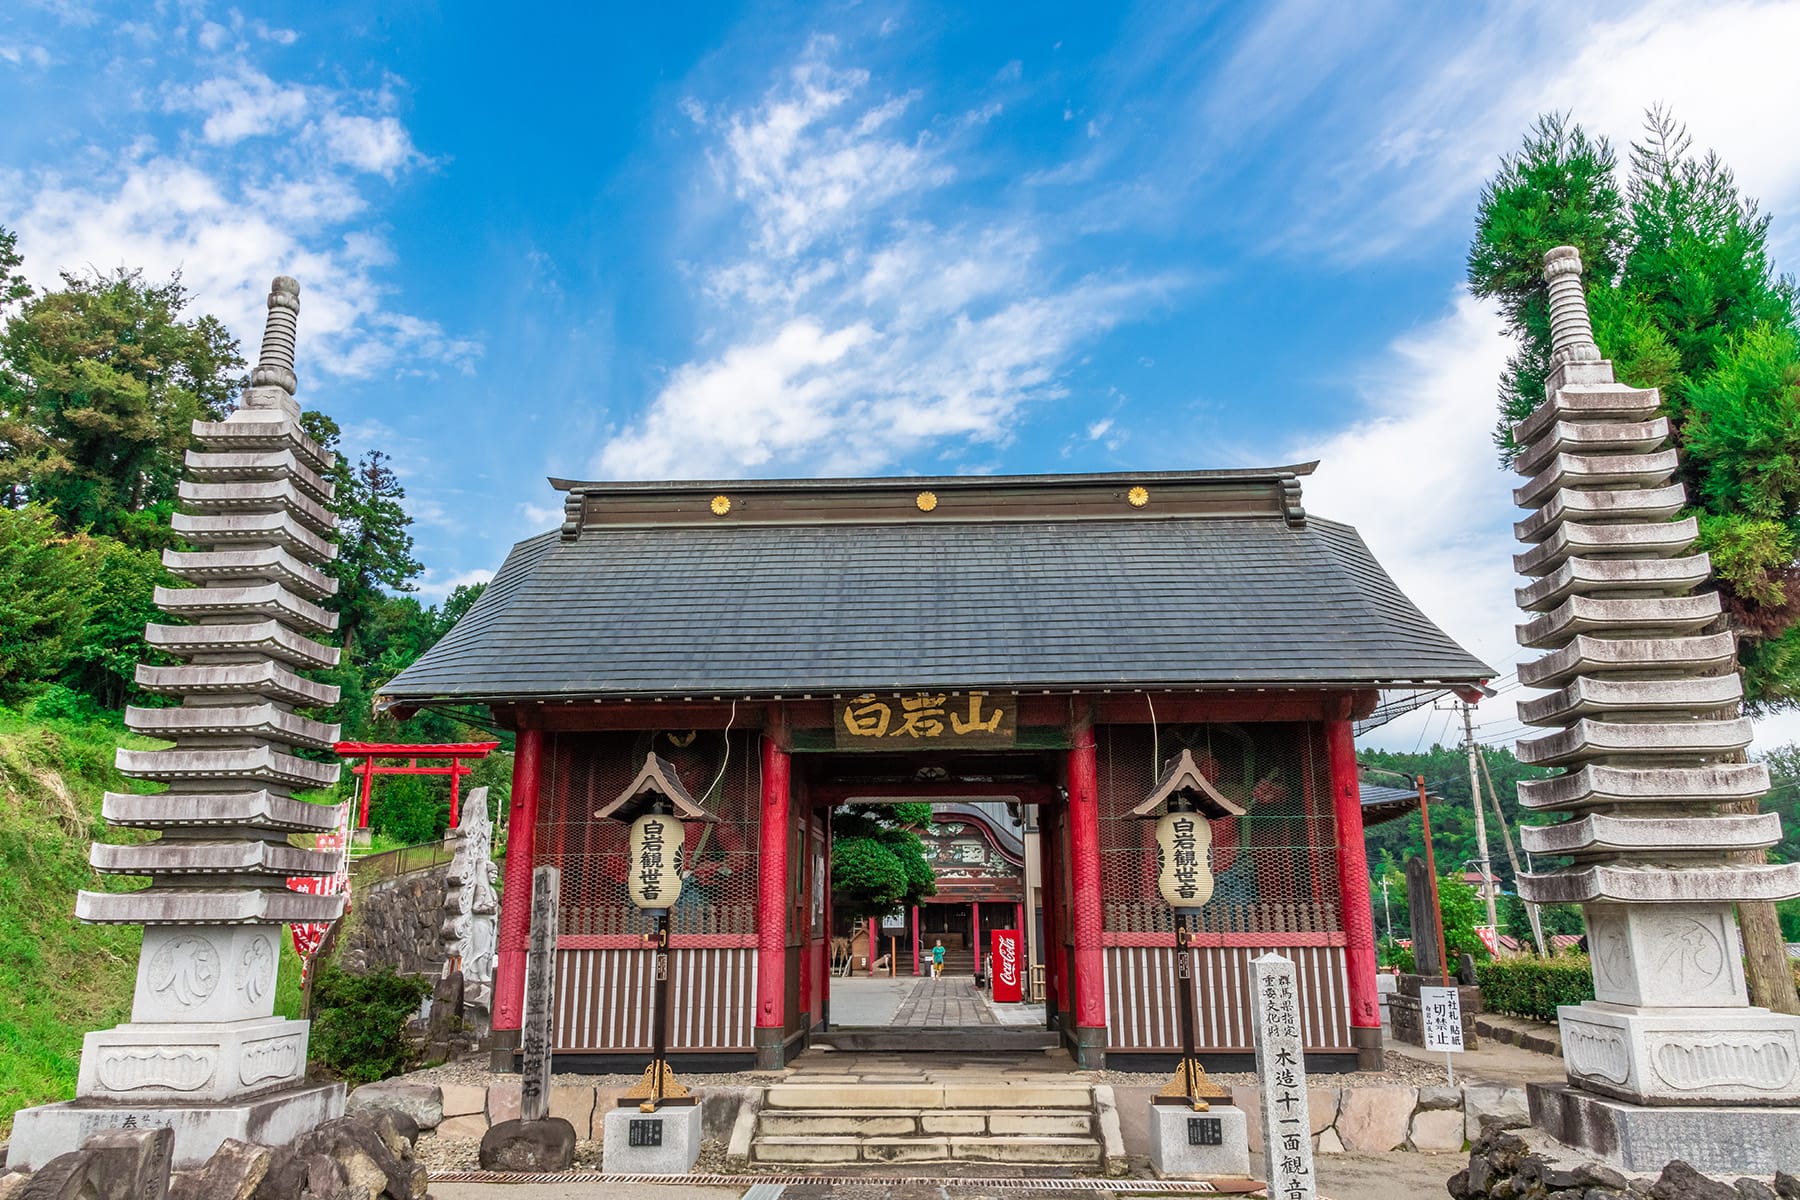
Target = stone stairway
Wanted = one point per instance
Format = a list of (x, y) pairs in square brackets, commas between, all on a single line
[(849, 1122)]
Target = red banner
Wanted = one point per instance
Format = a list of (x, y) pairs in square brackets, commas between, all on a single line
[(307, 937), (1006, 965)]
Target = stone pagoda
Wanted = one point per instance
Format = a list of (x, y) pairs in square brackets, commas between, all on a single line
[(1643, 717), (203, 1053)]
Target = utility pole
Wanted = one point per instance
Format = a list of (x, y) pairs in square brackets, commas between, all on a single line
[(1481, 842), (1531, 910)]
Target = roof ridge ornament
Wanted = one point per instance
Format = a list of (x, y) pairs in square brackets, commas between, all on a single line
[(273, 382), (656, 781), (1571, 328)]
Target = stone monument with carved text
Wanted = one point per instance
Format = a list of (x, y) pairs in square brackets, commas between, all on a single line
[(1669, 1060), (203, 1054)]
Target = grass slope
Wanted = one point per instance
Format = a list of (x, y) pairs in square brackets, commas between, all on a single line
[(60, 978)]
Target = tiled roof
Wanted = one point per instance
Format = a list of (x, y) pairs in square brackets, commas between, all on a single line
[(782, 609)]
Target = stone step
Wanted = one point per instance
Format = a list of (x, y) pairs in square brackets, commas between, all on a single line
[(263, 564), (270, 601), (232, 720), (228, 466), (256, 497), (257, 639), (263, 764), (1588, 655), (1048, 1151), (1734, 883), (920, 1122), (1603, 834), (1605, 471), (243, 436), (1586, 696), (254, 529), (1633, 504), (866, 1095), (1590, 437), (1628, 616), (1589, 739), (1611, 576), (1587, 404), (259, 809), (1643, 539), (265, 680), (1714, 783)]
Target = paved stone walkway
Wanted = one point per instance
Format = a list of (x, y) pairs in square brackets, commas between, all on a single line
[(949, 1000)]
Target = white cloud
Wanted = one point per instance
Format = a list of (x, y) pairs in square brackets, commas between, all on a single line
[(18, 56), (853, 328), (263, 176), (431, 588)]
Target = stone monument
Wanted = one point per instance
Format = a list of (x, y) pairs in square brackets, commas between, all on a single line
[(1281, 1078), (202, 1054), (1669, 1060), (472, 907), (535, 1140)]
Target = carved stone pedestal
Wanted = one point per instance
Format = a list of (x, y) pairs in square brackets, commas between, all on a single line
[(1632, 1137), (1682, 1055), (203, 1061), (40, 1134)]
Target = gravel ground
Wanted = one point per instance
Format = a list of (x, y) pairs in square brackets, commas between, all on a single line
[(474, 1070), (442, 1155), (1406, 1072)]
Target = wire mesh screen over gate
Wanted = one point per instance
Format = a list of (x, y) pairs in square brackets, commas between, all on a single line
[(1275, 868), (584, 771)]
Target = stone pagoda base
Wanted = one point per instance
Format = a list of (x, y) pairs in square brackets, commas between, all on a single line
[(1637, 1138), (272, 1119), (1682, 1056)]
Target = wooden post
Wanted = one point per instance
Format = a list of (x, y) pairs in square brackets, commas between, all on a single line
[(771, 909), (538, 1042), (1048, 831), (871, 947), (1355, 908), (1437, 910), (368, 785), (1084, 900), (975, 933), (515, 900), (915, 937)]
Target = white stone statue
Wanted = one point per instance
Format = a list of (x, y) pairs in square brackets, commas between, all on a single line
[(471, 905)]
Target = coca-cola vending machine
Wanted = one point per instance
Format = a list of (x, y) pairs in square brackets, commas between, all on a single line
[(1006, 965)]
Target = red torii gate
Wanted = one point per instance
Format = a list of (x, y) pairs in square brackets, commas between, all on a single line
[(456, 752)]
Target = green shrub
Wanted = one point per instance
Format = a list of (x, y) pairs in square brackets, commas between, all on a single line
[(1533, 987), (1390, 953), (409, 808), (359, 1022)]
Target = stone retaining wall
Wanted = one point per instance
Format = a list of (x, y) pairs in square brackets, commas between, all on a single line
[(396, 923), (468, 1110)]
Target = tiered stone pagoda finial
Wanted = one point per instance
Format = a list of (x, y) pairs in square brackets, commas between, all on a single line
[(202, 1052), (1643, 720)]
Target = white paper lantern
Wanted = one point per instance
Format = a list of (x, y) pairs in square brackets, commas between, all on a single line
[(1184, 859), (654, 873)]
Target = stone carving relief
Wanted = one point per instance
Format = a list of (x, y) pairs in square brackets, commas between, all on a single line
[(276, 1058), (1611, 950), (185, 969), (1686, 950), (1597, 1052), (471, 905), (166, 1068), (1761, 1061), (256, 969)]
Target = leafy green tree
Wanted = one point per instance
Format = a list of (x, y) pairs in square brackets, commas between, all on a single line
[(13, 287), (103, 661), (878, 860), (45, 602), (1683, 299), (105, 376)]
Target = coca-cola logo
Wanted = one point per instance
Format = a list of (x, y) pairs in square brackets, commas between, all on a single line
[(1009, 960)]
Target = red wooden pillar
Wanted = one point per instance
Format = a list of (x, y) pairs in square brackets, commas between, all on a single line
[(368, 785), (975, 933), (515, 900), (1052, 956), (1353, 895), (771, 909), (1084, 901), (871, 947), (915, 935), (824, 1013), (456, 775)]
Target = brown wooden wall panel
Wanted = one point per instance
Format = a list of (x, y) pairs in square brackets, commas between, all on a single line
[(1141, 1000), (603, 1000)]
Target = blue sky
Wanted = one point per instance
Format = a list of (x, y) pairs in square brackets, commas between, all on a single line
[(726, 240)]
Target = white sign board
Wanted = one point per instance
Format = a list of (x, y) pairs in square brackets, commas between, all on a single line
[(1440, 1010)]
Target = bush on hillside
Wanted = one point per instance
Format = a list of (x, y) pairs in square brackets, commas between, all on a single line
[(1533, 987), (359, 1022), (409, 808)]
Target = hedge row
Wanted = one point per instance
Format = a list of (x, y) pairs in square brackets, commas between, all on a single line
[(1533, 987)]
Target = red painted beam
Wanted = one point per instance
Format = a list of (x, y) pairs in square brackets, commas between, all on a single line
[(841, 793), (1084, 881), (406, 750)]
